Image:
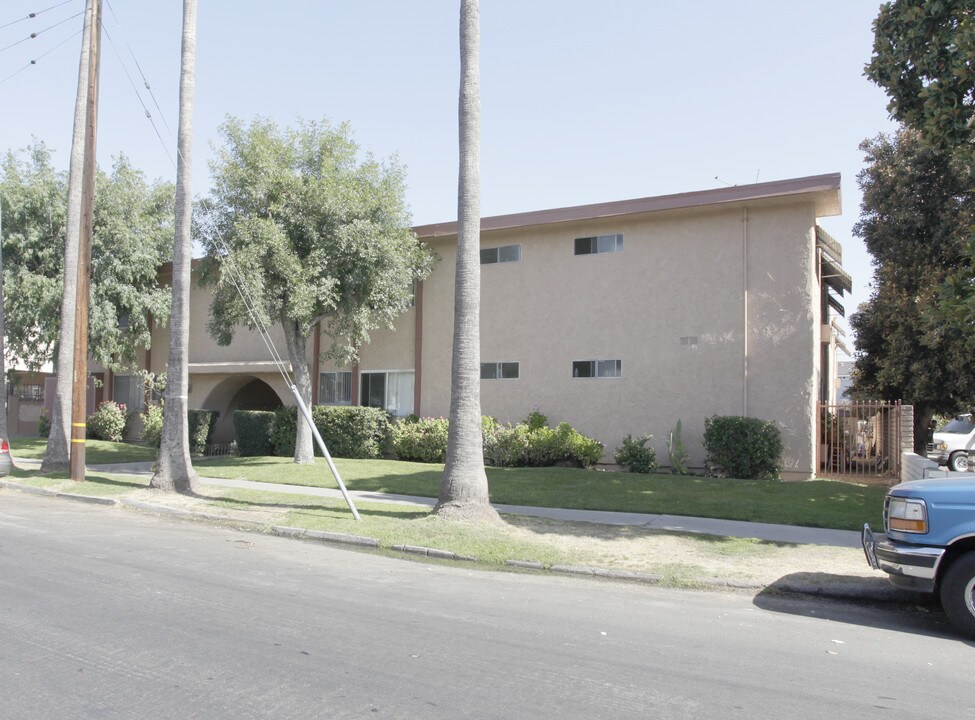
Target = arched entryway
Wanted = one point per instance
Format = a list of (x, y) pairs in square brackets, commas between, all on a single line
[(240, 392)]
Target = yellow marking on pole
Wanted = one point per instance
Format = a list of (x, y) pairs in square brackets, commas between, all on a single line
[(79, 424), (77, 440)]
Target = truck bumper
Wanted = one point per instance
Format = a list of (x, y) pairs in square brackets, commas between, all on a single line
[(912, 567)]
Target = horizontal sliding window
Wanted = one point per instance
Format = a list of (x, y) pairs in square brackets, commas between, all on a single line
[(392, 391), (506, 253), (599, 244), (499, 371), (597, 368), (335, 388)]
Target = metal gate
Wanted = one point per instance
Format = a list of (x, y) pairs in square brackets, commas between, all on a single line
[(859, 441)]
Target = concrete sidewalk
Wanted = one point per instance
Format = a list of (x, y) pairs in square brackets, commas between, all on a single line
[(673, 523)]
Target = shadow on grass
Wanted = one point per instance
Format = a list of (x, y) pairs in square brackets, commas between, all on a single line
[(597, 531), (231, 502), (886, 609)]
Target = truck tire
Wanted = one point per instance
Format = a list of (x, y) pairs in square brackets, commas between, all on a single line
[(958, 462), (958, 594)]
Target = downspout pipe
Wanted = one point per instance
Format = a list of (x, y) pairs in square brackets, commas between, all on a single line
[(744, 287)]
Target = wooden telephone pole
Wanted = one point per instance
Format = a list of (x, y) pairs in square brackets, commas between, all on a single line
[(79, 397)]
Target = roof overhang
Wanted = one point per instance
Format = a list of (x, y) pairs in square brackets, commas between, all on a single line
[(822, 190)]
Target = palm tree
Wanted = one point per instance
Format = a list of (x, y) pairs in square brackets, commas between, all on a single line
[(464, 487), (174, 471), (57, 456)]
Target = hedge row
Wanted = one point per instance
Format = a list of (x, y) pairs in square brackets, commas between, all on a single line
[(349, 432), (528, 443)]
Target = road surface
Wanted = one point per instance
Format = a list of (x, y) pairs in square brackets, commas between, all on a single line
[(107, 613)]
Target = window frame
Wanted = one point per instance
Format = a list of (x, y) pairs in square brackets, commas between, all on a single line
[(321, 388), (594, 242), (499, 369), (594, 371), (363, 400), (497, 254)]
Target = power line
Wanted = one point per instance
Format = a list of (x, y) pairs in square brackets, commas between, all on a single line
[(41, 57), (139, 95), (41, 32), (145, 81), (33, 15)]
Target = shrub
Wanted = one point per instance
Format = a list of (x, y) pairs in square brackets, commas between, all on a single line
[(536, 421), (107, 422), (634, 455), (252, 432), (348, 432), (744, 447), (44, 425), (421, 440), (562, 446), (675, 448), (201, 424), (352, 432), (152, 425), (506, 445)]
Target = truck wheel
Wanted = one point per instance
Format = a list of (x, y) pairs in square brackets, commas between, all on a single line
[(959, 462), (958, 594)]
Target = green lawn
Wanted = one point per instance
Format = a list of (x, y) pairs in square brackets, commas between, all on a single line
[(97, 452), (820, 503)]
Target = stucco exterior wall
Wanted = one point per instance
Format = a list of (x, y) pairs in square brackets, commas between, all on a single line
[(670, 306)]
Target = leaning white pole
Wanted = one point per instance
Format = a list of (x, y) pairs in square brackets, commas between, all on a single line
[(325, 452)]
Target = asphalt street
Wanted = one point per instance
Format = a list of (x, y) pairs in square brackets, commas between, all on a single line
[(108, 613)]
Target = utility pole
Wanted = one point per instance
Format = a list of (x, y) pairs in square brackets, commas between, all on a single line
[(79, 397)]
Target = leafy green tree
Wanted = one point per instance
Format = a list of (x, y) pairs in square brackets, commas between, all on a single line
[(132, 223), (917, 207), (318, 236), (924, 57)]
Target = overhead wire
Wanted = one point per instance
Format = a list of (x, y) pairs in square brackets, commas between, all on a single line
[(34, 35), (14, 74), (139, 95), (145, 81), (33, 15)]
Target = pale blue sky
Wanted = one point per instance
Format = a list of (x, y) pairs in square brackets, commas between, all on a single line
[(582, 102)]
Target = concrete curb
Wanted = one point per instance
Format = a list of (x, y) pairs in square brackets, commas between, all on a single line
[(871, 590), (323, 536)]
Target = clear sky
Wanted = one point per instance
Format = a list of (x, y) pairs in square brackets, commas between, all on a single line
[(582, 102)]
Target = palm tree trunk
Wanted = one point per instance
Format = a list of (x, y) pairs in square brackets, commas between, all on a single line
[(57, 456), (297, 345), (175, 469), (464, 487)]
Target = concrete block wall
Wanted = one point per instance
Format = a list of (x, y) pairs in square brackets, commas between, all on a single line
[(915, 467)]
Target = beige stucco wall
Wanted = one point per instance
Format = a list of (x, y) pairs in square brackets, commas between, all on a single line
[(680, 275)]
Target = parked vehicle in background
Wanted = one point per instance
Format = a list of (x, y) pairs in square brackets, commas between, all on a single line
[(954, 443), (929, 543), (6, 464)]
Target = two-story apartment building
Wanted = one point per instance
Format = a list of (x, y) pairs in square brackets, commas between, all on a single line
[(620, 318)]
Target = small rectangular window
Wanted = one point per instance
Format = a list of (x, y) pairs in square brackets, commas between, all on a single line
[(499, 371), (506, 253), (599, 244), (335, 388), (597, 368)]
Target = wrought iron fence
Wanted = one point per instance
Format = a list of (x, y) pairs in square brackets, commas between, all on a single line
[(859, 440)]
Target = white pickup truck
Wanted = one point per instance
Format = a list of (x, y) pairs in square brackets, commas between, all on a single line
[(954, 444)]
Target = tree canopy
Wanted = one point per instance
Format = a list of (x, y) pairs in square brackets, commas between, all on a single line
[(132, 238), (924, 57), (917, 207), (319, 235)]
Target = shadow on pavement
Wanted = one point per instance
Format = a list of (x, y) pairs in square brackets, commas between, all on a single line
[(869, 602)]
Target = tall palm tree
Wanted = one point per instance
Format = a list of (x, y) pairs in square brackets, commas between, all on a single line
[(174, 471), (464, 487), (57, 456)]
